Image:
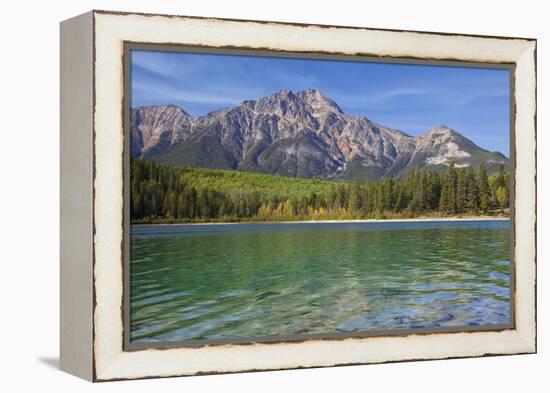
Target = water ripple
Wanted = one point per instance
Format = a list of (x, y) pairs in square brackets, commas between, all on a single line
[(228, 281)]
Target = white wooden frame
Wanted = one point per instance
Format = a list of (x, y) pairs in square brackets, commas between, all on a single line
[(92, 141)]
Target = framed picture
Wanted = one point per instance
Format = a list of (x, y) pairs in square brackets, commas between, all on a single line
[(247, 195)]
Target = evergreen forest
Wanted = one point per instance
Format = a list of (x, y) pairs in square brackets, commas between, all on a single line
[(168, 194)]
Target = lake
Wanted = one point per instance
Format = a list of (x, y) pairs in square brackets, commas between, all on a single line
[(200, 282)]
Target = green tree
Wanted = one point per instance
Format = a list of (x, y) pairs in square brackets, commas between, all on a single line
[(354, 203), (483, 186), (472, 191), (460, 191), (448, 191), (501, 195), (419, 193)]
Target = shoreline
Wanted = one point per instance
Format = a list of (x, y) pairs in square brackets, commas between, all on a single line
[(351, 221)]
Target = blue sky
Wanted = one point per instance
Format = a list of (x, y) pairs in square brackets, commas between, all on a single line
[(411, 98)]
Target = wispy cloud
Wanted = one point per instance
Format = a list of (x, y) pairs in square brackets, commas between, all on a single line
[(165, 81), (167, 64), (380, 98), (168, 93)]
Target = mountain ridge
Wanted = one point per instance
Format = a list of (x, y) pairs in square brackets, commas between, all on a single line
[(303, 134)]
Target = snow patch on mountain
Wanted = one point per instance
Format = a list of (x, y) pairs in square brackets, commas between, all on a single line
[(453, 152)]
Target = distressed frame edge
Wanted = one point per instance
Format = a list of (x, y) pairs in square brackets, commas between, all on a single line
[(304, 24), (128, 346), (526, 339), (76, 196), (526, 122)]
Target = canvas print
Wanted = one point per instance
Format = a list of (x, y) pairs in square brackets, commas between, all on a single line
[(274, 198)]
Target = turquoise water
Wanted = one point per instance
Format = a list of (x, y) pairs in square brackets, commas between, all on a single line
[(199, 282)]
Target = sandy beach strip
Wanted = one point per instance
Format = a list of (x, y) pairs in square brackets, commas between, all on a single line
[(351, 221)]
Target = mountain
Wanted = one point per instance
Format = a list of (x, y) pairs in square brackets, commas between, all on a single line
[(303, 134)]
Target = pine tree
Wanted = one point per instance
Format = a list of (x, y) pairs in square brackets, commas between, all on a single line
[(419, 193), (387, 194), (472, 191), (460, 191), (354, 202), (483, 186), (400, 199), (181, 212), (341, 197), (436, 191), (447, 203)]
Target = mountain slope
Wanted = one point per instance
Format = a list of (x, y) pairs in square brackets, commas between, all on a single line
[(301, 135), (441, 145)]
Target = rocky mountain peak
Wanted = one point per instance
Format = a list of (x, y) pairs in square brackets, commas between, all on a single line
[(442, 145), (157, 126), (440, 130), (316, 102), (284, 93), (302, 134), (281, 95), (282, 102)]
